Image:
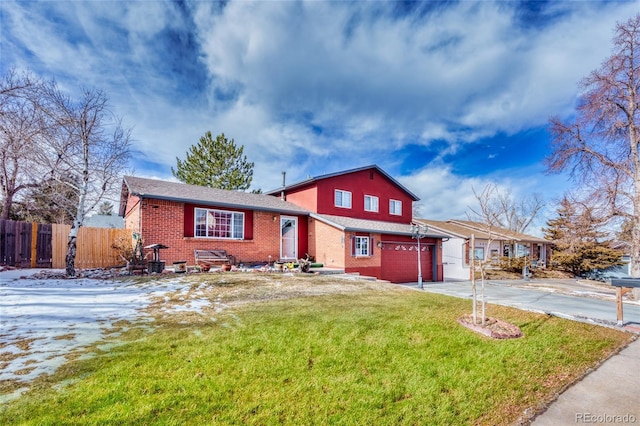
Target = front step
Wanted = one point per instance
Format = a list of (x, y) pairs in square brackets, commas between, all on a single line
[(327, 271)]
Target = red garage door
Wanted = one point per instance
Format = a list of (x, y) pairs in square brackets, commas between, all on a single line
[(400, 262)]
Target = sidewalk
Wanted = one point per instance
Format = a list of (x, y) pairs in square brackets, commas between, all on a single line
[(608, 395)]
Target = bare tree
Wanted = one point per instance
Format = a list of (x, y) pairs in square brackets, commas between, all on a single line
[(88, 152), (21, 131), (601, 147), (488, 215), (499, 208)]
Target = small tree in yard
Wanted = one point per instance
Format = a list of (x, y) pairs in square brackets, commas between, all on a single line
[(88, 151), (487, 214), (216, 163), (601, 148)]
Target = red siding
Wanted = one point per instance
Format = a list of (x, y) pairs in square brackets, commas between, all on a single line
[(319, 196)]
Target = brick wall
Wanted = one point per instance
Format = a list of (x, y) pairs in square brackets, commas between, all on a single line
[(332, 247), (162, 223), (355, 263), (132, 214), (327, 244)]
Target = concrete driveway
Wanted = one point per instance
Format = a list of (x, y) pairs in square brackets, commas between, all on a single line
[(579, 300)]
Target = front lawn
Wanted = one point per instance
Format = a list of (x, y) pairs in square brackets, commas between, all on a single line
[(314, 350)]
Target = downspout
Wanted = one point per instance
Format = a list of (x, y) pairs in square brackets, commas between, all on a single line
[(140, 217), (434, 261)]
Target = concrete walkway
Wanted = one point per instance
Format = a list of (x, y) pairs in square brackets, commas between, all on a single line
[(608, 395)]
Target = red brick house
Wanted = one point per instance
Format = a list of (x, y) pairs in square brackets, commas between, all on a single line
[(251, 227), (358, 220)]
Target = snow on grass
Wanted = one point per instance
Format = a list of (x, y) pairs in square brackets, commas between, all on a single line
[(44, 321)]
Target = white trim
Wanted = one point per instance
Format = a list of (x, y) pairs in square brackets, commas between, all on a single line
[(377, 203), (392, 211), (295, 236), (342, 198), (231, 229), (369, 240)]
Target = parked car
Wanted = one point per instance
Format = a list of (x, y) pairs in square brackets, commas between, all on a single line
[(606, 274)]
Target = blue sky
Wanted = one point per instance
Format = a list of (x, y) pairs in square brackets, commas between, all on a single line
[(444, 96)]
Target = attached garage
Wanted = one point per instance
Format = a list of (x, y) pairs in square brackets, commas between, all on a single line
[(391, 254), (399, 260)]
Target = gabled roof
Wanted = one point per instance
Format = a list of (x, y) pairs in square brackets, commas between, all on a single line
[(181, 192), (363, 225), (345, 172), (452, 229), (104, 221), (464, 229)]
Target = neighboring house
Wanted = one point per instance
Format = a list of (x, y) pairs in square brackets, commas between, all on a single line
[(456, 253), (625, 249), (361, 221), (358, 220), (104, 221)]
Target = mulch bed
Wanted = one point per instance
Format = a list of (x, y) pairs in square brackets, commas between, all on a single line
[(493, 327)]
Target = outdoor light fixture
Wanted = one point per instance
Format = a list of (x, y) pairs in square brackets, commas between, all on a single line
[(418, 232)]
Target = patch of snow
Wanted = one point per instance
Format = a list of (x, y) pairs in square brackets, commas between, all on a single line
[(43, 321)]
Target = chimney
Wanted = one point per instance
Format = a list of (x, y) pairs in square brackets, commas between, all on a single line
[(284, 177)]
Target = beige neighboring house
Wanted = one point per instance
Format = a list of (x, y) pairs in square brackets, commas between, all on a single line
[(456, 252)]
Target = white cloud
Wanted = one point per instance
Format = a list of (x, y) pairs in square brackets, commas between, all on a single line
[(314, 87), (459, 74)]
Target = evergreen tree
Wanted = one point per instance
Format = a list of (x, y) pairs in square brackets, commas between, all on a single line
[(578, 245), (51, 202), (105, 209), (216, 163)]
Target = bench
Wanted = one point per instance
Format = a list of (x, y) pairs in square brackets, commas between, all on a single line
[(210, 257), (142, 267), (136, 264)]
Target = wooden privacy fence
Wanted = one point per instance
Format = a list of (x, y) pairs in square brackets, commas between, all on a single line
[(94, 246), (37, 245), (25, 244)]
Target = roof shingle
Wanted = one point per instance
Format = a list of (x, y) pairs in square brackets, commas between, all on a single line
[(181, 192), (363, 225)]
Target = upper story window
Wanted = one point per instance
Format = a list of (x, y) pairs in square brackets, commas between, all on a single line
[(370, 203), (342, 199), (395, 207), (219, 224)]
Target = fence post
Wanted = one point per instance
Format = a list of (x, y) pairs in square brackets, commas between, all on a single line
[(34, 244)]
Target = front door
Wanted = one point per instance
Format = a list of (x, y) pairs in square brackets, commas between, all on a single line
[(288, 237)]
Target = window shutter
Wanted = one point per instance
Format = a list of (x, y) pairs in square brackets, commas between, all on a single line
[(353, 246), (371, 246)]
